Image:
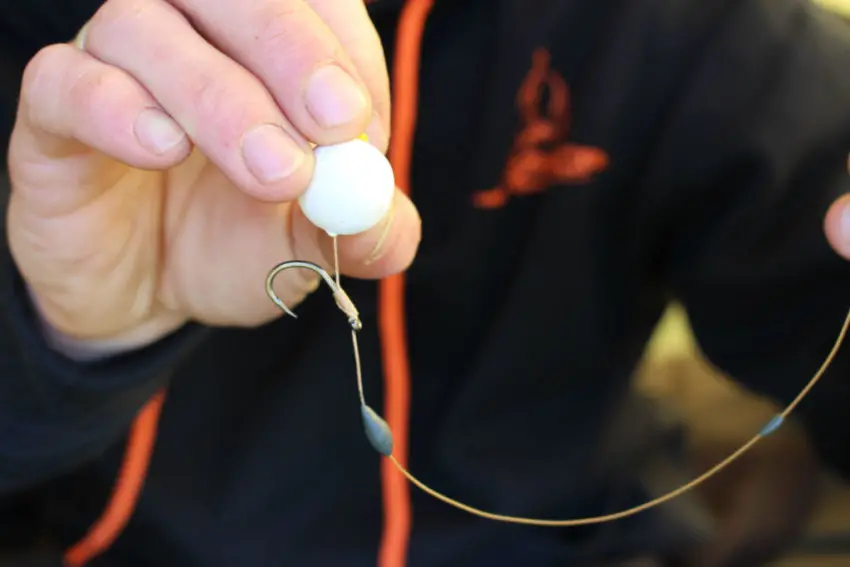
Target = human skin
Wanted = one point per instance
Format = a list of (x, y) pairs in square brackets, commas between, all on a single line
[(163, 151)]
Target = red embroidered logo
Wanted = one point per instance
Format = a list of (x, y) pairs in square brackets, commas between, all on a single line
[(541, 155)]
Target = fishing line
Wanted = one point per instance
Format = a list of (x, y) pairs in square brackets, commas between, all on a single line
[(380, 436)]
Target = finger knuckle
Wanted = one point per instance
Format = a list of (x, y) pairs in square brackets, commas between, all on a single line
[(279, 28), (41, 74), (205, 93), (94, 94), (216, 107)]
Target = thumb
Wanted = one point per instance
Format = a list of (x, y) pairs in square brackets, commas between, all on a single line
[(77, 119), (385, 249)]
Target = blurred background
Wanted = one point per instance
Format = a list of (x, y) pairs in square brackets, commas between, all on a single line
[(782, 494), (779, 493), (840, 6)]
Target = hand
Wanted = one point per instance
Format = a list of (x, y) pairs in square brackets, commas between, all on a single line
[(154, 171), (837, 225)]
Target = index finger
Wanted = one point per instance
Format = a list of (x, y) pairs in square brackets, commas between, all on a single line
[(300, 60)]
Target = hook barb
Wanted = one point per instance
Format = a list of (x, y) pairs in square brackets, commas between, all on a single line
[(342, 300)]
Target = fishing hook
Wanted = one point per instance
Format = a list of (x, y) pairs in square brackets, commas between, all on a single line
[(342, 300)]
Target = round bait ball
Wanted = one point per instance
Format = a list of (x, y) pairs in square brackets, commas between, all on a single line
[(351, 190)]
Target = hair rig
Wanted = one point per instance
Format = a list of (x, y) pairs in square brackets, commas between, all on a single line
[(346, 204)]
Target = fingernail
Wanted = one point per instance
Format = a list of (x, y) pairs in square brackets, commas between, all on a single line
[(333, 98), (80, 40), (379, 249), (156, 131), (270, 154)]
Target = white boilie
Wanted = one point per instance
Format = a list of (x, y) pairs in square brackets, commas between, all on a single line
[(351, 190)]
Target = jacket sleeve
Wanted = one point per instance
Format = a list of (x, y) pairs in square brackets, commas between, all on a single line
[(55, 413), (755, 154)]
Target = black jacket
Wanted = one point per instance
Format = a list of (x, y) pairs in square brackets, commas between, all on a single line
[(577, 165)]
